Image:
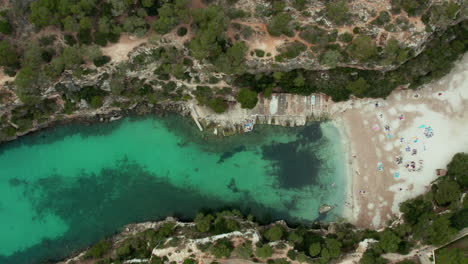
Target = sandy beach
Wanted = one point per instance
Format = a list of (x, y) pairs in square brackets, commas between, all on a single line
[(394, 146)]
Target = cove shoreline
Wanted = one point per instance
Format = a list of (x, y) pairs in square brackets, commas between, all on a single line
[(352, 119)]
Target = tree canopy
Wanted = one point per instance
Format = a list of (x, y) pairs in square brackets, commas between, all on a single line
[(274, 233), (362, 48), (247, 98)]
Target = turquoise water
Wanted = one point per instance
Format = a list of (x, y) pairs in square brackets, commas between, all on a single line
[(65, 188)]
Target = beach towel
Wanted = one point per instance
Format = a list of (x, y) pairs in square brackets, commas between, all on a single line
[(380, 166)]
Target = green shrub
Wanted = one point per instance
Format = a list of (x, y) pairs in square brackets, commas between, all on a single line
[(84, 36), (181, 31), (8, 55), (217, 104), (382, 19), (247, 98), (189, 261), (264, 252), (5, 27), (314, 249), (315, 35), (358, 87), (244, 251), (362, 48), (102, 60), (280, 24), (292, 254), (100, 38), (330, 58), (337, 11), (274, 233), (69, 39), (96, 101), (412, 7), (295, 237), (299, 4), (457, 169), (451, 255), (446, 192), (98, 250), (292, 50), (203, 222), (222, 248), (259, 53)]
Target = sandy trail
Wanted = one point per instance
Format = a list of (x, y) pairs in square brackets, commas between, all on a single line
[(119, 51), (4, 78)]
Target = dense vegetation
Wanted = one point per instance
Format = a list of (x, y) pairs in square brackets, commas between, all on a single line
[(430, 219), (434, 62), (204, 57)]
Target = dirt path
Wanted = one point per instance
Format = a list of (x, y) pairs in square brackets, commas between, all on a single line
[(4, 78), (119, 51)]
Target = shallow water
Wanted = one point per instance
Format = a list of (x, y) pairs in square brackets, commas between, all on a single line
[(65, 188)]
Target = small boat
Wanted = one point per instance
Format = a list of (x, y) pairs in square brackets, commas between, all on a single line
[(325, 208)]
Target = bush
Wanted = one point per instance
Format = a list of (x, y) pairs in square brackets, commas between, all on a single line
[(244, 251), (8, 56), (358, 87), (100, 38), (70, 40), (280, 24), (382, 19), (412, 7), (345, 37), (84, 36), (96, 102), (181, 31), (337, 11), (5, 27), (102, 60), (446, 192), (98, 250), (314, 249), (247, 98), (315, 35), (274, 233), (295, 237), (415, 208), (217, 104), (457, 169), (292, 50), (292, 254), (330, 58), (222, 248), (460, 219), (203, 222), (259, 53), (299, 4), (451, 255), (389, 241), (189, 261), (362, 48), (264, 252)]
